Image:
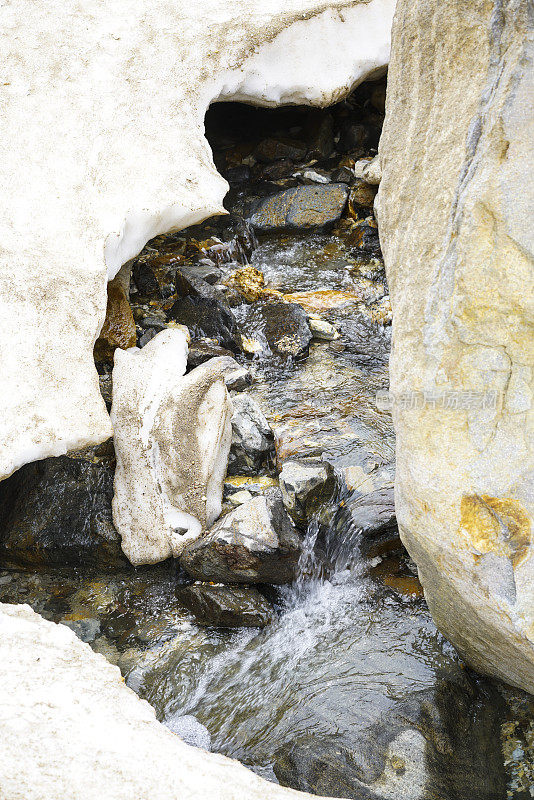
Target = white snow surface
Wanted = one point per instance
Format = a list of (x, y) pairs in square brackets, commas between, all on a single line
[(102, 148), (72, 730)]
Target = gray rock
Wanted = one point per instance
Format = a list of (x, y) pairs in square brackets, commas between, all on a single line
[(300, 208), (57, 512), (372, 173), (256, 543), (426, 746), (205, 270), (286, 328), (226, 606), (188, 728), (235, 376), (372, 513), (202, 350), (85, 629), (304, 487), (252, 438), (321, 329)]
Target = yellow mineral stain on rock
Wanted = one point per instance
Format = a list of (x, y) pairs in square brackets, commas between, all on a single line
[(498, 525), (319, 300), (118, 329), (250, 283)]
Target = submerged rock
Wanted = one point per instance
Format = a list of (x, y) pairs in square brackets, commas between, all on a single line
[(172, 438), (426, 747), (300, 208), (256, 543), (460, 277), (252, 437), (57, 512), (226, 606), (285, 326)]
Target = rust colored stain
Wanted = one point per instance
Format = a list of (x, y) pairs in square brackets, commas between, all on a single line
[(119, 326), (498, 525)]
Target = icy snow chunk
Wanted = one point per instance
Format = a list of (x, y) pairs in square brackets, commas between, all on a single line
[(172, 439)]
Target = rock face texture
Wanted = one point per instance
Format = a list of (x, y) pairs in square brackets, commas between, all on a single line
[(172, 439), (455, 206), (62, 704), (256, 543), (113, 153)]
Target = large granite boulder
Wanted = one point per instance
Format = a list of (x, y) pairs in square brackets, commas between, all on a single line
[(172, 439), (455, 213)]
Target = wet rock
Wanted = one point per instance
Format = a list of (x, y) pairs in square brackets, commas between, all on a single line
[(320, 134), (436, 744), (252, 437), (365, 340), (226, 606), (371, 513), (249, 282), (57, 512), (238, 175), (305, 486), (286, 328), (343, 175), (205, 312), (188, 728), (118, 329), (145, 280), (205, 270), (172, 438), (240, 497), (364, 236), (353, 137), (276, 149), (202, 350), (317, 301), (235, 376), (300, 208), (362, 196), (256, 543), (85, 629), (321, 329), (276, 171)]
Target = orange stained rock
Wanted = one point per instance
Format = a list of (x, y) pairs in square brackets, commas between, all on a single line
[(320, 300), (498, 525)]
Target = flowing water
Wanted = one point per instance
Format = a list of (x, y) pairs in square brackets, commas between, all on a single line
[(351, 690)]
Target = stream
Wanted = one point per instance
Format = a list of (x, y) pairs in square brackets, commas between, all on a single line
[(350, 691)]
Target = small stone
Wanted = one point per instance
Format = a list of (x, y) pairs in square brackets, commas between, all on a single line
[(274, 149), (286, 328), (202, 350), (249, 282), (226, 606), (252, 438), (372, 173), (362, 196), (321, 329), (360, 166), (352, 138), (238, 498), (235, 376), (255, 543)]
